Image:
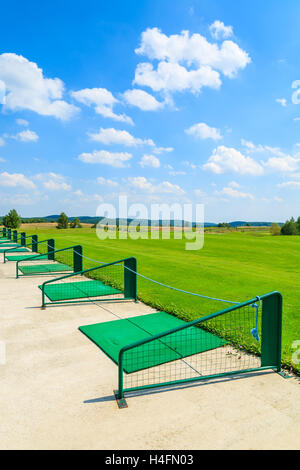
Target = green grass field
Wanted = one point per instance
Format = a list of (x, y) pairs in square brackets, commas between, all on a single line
[(234, 266)]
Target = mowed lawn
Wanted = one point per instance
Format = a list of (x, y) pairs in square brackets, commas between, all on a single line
[(233, 266)]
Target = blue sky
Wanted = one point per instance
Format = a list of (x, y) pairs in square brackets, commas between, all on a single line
[(163, 101)]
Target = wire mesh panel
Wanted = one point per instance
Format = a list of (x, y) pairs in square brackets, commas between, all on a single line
[(240, 339), (49, 261), (29, 249), (106, 282)]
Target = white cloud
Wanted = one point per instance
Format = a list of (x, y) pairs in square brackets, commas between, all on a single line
[(203, 131), (290, 184), (283, 164), (142, 184), (186, 62), (219, 31), (116, 160), (15, 179), (103, 102), (160, 150), (53, 181), (282, 101), (234, 184), (27, 136), (115, 137), (2, 92), (27, 88), (228, 191), (173, 77), (150, 160), (177, 173), (225, 159), (142, 100), (279, 161), (2, 142), (22, 122), (108, 182)]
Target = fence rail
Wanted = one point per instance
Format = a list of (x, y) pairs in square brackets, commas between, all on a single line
[(251, 335), (106, 282)]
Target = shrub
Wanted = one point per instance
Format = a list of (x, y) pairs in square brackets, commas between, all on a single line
[(275, 229)]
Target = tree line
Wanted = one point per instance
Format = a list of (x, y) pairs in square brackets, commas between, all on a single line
[(291, 227), (13, 220)]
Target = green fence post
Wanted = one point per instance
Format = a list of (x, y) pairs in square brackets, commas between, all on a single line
[(34, 246), (77, 259), (9, 233), (271, 331), (23, 239), (51, 248), (15, 236), (130, 286), (4, 232)]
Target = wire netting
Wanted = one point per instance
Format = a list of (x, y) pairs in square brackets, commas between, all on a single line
[(104, 282), (47, 261), (218, 346)]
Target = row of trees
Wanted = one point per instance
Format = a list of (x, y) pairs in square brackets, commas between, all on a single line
[(63, 222), (291, 227), (13, 220)]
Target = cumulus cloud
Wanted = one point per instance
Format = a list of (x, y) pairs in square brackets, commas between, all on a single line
[(278, 161), (27, 136), (160, 150), (150, 161), (186, 62), (218, 30), (282, 101), (27, 88), (203, 131), (22, 122), (290, 184), (141, 183), (15, 179), (116, 137), (116, 160), (234, 193), (53, 182), (142, 100), (103, 102), (108, 182), (225, 159)]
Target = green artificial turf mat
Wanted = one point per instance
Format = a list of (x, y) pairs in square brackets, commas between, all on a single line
[(14, 250), (21, 257), (45, 268), (111, 337), (78, 290)]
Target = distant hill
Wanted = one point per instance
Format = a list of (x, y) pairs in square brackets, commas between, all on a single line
[(143, 222), (175, 223)]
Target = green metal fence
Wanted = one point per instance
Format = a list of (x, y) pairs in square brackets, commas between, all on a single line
[(50, 261), (251, 333), (110, 281), (20, 252)]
